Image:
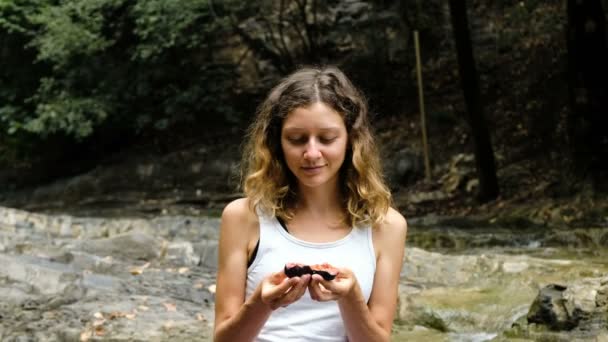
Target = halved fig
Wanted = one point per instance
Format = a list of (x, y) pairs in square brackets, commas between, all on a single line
[(296, 270), (325, 270)]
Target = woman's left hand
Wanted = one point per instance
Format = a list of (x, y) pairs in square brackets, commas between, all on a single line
[(325, 290)]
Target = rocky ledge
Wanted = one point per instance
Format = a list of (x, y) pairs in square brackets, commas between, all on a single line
[(67, 278)]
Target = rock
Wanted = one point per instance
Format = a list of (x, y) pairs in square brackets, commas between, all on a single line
[(459, 293), (65, 278), (182, 253), (134, 246), (601, 299), (514, 267), (47, 277), (422, 266), (430, 196), (405, 167), (460, 173), (207, 250), (549, 309), (112, 187), (579, 298), (91, 262), (573, 312), (61, 277)]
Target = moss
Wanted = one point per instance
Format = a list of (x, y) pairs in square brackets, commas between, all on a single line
[(433, 321)]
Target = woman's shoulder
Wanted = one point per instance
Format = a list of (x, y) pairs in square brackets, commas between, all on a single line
[(390, 234), (393, 223), (240, 210)]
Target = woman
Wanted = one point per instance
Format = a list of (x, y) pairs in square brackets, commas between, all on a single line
[(315, 195)]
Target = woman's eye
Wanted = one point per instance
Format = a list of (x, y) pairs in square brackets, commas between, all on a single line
[(327, 140), (297, 140)]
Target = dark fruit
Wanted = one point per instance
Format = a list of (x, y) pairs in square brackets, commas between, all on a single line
[(324, 270)]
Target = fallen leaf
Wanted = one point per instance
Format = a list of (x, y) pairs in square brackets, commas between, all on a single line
[(98, 315), (130, 316), (139, 269), (211, 288), (163, 249), (136, 271), (168, 325), (200, 317), (85, 335), (183, 270), (117, 314), (107, 259), (143, 308), (99, 330), (198, 285), (170, 307)]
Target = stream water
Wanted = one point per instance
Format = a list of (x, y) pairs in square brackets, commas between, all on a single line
[(477, 295)]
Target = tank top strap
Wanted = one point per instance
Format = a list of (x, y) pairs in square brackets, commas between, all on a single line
[(268, 225), (364, 240)]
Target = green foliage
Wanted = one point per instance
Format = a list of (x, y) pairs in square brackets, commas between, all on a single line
[(59, 111), (71, 29), (162, 25), (18, 75), (74, 65), (12, 15)]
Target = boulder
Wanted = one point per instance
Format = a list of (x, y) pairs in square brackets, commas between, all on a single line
[(574, 312)]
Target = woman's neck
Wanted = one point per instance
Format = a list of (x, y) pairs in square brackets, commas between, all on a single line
[(322, 202)]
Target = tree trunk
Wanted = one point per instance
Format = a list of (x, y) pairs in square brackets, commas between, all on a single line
[(587, 77), (484, 155)]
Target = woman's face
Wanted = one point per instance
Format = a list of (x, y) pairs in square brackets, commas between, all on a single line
[(314, 141)]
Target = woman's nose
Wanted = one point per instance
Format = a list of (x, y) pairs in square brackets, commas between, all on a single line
[(312, 150)]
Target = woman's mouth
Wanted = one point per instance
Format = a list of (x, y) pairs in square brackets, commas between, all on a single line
[(312, 169)]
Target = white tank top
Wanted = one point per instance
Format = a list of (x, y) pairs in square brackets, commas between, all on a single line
[(306, 319)]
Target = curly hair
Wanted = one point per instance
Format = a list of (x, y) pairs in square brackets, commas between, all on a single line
[(265, 177)]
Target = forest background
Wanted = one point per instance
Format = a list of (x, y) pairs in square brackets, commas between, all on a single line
[(143, 104)]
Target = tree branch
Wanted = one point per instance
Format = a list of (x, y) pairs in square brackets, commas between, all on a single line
[(258, 46), (282, 35), (302, 6)]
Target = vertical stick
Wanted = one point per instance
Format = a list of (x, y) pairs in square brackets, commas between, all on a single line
[(427, 163)]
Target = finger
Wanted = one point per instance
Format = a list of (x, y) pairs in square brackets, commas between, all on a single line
[(297, 290), (283, 287), (304, 285), (320, 282), (276, 296), (344, 274), (277, 278), (287, 285), (318, 291), (312, 288), (328, 285)]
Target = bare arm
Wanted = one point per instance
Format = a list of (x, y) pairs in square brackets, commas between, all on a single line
[(373, 321), (237, 319), (231, 311), (370, 321)]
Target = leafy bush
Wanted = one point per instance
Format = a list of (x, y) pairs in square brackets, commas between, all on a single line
[(73, 65)]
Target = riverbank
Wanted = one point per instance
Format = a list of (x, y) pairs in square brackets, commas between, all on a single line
[(72, 278)]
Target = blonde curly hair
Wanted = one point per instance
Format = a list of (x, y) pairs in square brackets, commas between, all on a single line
[(265, 177)]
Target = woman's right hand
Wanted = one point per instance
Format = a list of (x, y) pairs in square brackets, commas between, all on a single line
[(279, 291)]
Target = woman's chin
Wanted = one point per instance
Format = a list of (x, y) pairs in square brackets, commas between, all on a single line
[(315, 182), (311, 184)]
